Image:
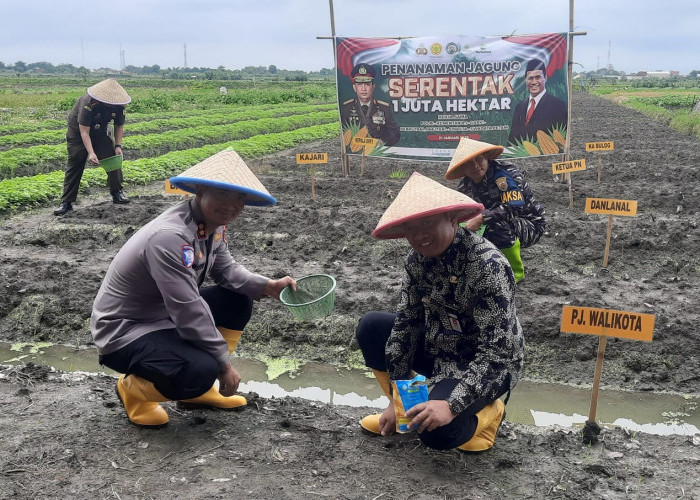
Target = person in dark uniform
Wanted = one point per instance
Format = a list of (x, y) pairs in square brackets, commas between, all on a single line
[(88, 140), (155, 322), (541, 111), (513, 218), (365, 111)]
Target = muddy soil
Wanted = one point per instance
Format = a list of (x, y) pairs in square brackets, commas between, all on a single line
[(66, 435)]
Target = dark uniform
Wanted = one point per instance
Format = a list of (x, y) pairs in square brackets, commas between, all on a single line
[(92, 113), (511, 209), (375, 115)]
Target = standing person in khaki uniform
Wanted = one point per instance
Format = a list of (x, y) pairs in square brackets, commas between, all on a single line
[(155, 322), (88, 141)]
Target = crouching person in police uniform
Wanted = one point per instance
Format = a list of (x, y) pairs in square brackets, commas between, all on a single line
[(513, 218), (365, 111), (155, 322)]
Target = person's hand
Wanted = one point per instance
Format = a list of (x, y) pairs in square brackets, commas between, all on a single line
[(387, 422), (475, 223), (118, 151), (274, 287), (92, 158), (229, 378), (430, 415)]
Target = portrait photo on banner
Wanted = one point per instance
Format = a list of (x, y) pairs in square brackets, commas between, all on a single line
[(419, 96)]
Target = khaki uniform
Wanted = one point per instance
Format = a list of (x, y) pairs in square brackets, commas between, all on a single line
[(96, 115), (154, 283)]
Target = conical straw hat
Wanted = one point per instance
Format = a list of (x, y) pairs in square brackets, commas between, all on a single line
[(109, 92), (422, 197), (466, 150), (225, 170)]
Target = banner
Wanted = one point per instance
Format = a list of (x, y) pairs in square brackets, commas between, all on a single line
[(419, 96)]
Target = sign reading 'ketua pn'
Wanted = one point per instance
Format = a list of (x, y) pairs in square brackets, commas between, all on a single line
[(564, 167), (592, 321)]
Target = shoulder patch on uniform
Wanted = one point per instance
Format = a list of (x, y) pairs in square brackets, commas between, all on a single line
[(348, 101), (502, 183), (187, 255), (383, 102)]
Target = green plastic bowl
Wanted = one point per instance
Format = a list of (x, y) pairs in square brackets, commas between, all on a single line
[(111, 163), (314, 297)]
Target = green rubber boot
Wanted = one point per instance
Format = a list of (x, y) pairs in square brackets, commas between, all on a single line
[(516, 263)]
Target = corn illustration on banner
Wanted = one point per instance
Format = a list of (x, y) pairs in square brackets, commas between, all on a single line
[(419, 96)]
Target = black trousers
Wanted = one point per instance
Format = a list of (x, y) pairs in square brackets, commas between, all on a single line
[(178, 368), (372, 333), (77, 156)]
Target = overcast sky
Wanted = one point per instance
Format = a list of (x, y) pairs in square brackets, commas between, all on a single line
[(632, 35)]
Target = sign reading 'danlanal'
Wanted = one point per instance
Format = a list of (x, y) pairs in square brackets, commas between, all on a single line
[(611, 207)]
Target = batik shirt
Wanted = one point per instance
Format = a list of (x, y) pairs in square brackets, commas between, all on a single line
[(460, 308)]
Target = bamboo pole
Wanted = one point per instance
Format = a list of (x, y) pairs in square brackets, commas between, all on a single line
[(344, 165), (569, 75), (607, 241)]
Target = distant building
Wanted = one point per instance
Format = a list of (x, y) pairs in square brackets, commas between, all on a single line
[(660, 74)]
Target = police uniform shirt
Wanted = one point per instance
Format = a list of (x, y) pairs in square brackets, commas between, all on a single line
[(378, 118), (153, 284)]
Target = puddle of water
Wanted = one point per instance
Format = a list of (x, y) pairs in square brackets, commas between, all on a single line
[(531, 403)]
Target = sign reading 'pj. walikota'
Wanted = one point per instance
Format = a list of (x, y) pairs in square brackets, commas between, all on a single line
[(592, 321)]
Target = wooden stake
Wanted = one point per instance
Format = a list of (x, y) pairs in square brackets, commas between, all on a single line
[(571, 193), (313, 186), (600, 167), (596, 379), (362, 165), (607, 241)]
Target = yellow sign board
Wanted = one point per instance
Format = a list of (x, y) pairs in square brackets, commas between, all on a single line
[(600, 146), (563, 167), (611, 207), (169, 188), (312, 158), (368, 143), (607, 322)]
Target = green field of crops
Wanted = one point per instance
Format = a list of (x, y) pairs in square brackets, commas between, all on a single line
[(672, 106), (171, 125)]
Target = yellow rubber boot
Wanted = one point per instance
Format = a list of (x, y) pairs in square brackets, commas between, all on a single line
[(212, 397), (231, 337), (371, 422), (140, 399), (489, 420)]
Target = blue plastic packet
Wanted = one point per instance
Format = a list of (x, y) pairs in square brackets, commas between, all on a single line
[(406, 395)]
